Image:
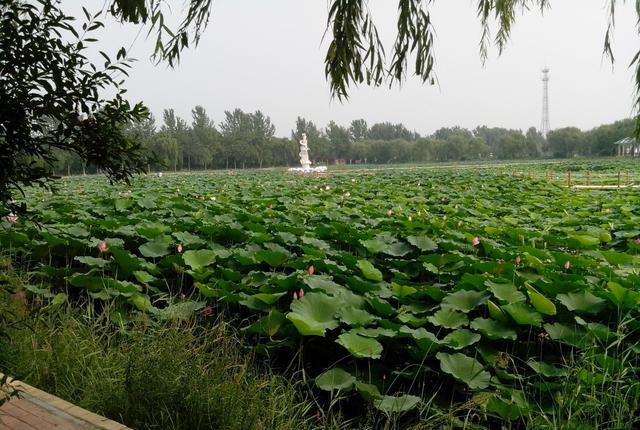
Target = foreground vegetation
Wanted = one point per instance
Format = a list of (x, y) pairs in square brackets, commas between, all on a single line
[(467, 298)]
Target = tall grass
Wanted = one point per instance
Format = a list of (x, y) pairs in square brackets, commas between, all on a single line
[(150, 375)]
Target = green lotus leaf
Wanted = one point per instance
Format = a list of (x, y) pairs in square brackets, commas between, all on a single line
[(368, 392), (464, 369), (141, 301), (426, 341), (510, 408), (623, 297), (411, 319), (495, 312), (617, 258), (313, 314), (146, 203), (582, 301), (460, 338), (397, 249), (325, 284), (396, 404), (59, 299), (269, 324), (199, 259), (143, 277), (76, 231), (586, 240), (507, 292), (540, 302), (268, 298), (187, 239), (273, 258), (154, 249), (464, 300), (375, 332), (448, 318), (423, 243), (546, 369), (122, 205), (375, 245), (335, 379), (316, 243), (381, 306), (92, 261), (567, 334), (356, 317), (359, 346), (369, 271), (180, 311), (492, 329), (402, 290), (523, 314), (127, 262)]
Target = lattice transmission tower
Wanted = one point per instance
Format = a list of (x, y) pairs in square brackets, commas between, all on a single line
[(545, 127)]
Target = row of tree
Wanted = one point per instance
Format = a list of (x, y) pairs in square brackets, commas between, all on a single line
[(246, 140)]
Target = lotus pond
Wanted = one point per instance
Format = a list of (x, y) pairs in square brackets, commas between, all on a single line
[(409, 290)]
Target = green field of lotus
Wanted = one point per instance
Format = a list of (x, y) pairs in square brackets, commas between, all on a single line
[(409, 289)]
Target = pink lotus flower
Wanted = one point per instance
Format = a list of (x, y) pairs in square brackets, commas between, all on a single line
[(12, 218), (301, 293), (179, 248), (567, 265), (295, 295), (518, 260), (310, 270), (102, 246), (637, 241), (475, 241)]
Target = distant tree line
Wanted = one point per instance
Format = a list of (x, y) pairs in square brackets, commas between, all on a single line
[(246, 140)]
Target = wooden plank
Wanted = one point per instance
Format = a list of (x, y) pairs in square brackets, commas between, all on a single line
[(35, 409)]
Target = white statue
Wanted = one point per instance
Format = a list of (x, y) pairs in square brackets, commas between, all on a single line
[(304, 159), (304, 153)]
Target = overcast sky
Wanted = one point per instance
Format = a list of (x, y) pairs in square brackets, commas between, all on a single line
[(268, 55)]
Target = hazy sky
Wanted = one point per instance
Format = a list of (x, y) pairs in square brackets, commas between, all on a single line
[(268, 55)]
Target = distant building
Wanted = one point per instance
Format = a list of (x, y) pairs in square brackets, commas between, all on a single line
[(628, 147)]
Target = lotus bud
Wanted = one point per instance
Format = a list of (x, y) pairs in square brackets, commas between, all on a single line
[(295, 296), (310, 270), (179, 248), (567, 265), (301, 293), (12, 218), (475, 241), (102, 246)]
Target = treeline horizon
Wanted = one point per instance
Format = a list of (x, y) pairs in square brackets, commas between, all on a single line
[(247, 140)]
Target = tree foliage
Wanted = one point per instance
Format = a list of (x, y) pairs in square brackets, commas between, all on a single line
[(355, 53), (246, 140), (51, 98)]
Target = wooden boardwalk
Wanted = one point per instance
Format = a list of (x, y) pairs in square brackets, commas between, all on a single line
[(34, 409)]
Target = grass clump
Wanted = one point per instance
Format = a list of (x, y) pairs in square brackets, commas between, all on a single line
[(149, 375)]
